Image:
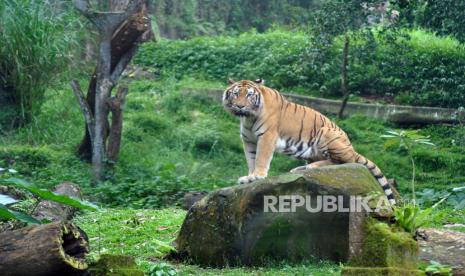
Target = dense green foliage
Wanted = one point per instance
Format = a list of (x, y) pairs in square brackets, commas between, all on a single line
[(409, 67), (189, 18), (275, 56), (445, 16), (35, 46)]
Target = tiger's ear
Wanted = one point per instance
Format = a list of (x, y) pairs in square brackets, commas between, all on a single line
[(260, 81), (231, 81)]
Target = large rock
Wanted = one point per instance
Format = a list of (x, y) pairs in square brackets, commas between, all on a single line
[(230, 226), (444, 246)]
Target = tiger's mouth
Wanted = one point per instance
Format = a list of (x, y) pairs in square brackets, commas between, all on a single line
[(241, 113)]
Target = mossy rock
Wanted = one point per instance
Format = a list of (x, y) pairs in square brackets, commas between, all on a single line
[(229, 226), (115, 265), (386, 246), (386, 250)]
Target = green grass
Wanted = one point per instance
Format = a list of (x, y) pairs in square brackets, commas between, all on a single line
[(143, 234)]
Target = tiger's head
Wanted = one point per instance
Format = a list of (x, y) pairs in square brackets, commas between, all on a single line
[(243, 98)]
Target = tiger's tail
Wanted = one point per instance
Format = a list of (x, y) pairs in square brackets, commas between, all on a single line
[(376, 172)]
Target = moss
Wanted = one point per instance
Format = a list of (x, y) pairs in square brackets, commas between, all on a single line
[(119, 265), (212, 231), (386, 246), (353, 178), (274, 241)]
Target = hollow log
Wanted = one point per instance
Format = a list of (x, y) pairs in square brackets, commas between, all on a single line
[(49, 249)]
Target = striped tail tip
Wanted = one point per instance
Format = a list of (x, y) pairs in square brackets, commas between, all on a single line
[(376, 172)]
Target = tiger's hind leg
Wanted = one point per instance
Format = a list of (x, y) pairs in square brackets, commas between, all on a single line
[(313, 165), (340, 151)]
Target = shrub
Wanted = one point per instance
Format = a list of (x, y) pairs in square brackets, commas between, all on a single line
[(139, 188), (24, 158), (410, 66), (445, 17), (274, 56)]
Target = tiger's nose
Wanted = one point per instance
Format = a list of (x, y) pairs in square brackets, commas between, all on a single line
[(240, 106)]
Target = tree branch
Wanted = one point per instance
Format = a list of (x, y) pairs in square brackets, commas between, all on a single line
[(89, 118), (114, 140), (107, 22), (123, 62)]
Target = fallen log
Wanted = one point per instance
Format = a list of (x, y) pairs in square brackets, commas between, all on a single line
[(53, 211), (49, 249)]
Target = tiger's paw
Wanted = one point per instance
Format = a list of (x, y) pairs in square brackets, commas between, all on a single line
[(248, 179)]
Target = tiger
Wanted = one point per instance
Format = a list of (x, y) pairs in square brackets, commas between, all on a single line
[(269, 123)]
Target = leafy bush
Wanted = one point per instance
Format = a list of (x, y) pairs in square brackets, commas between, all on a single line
[(275, 56), (159, 187), (410, 217), (410, 66), (445, 17), (454, 197), (162, 269), (188, 18), (36, 42), (436, 268), (25, 159)]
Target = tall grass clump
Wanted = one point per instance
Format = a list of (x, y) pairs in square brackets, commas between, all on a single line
[(36, 40)]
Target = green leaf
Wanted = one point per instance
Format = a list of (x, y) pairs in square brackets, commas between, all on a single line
[(393, 132), (48, 195), (458, 189), (25, 218), (427, 143), (5, 213)]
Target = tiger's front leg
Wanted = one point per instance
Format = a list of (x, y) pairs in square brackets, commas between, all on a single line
[(266, 145), (250, 151)]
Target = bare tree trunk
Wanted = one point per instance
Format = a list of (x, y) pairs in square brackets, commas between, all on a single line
[(345, 91), (108, 72), (114, 140), (136, 30), (103, 91)]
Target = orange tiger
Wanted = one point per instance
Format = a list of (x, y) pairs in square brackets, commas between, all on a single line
[(269, 123)]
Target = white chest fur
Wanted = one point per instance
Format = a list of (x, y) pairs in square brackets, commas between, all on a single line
[(280, 145)]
